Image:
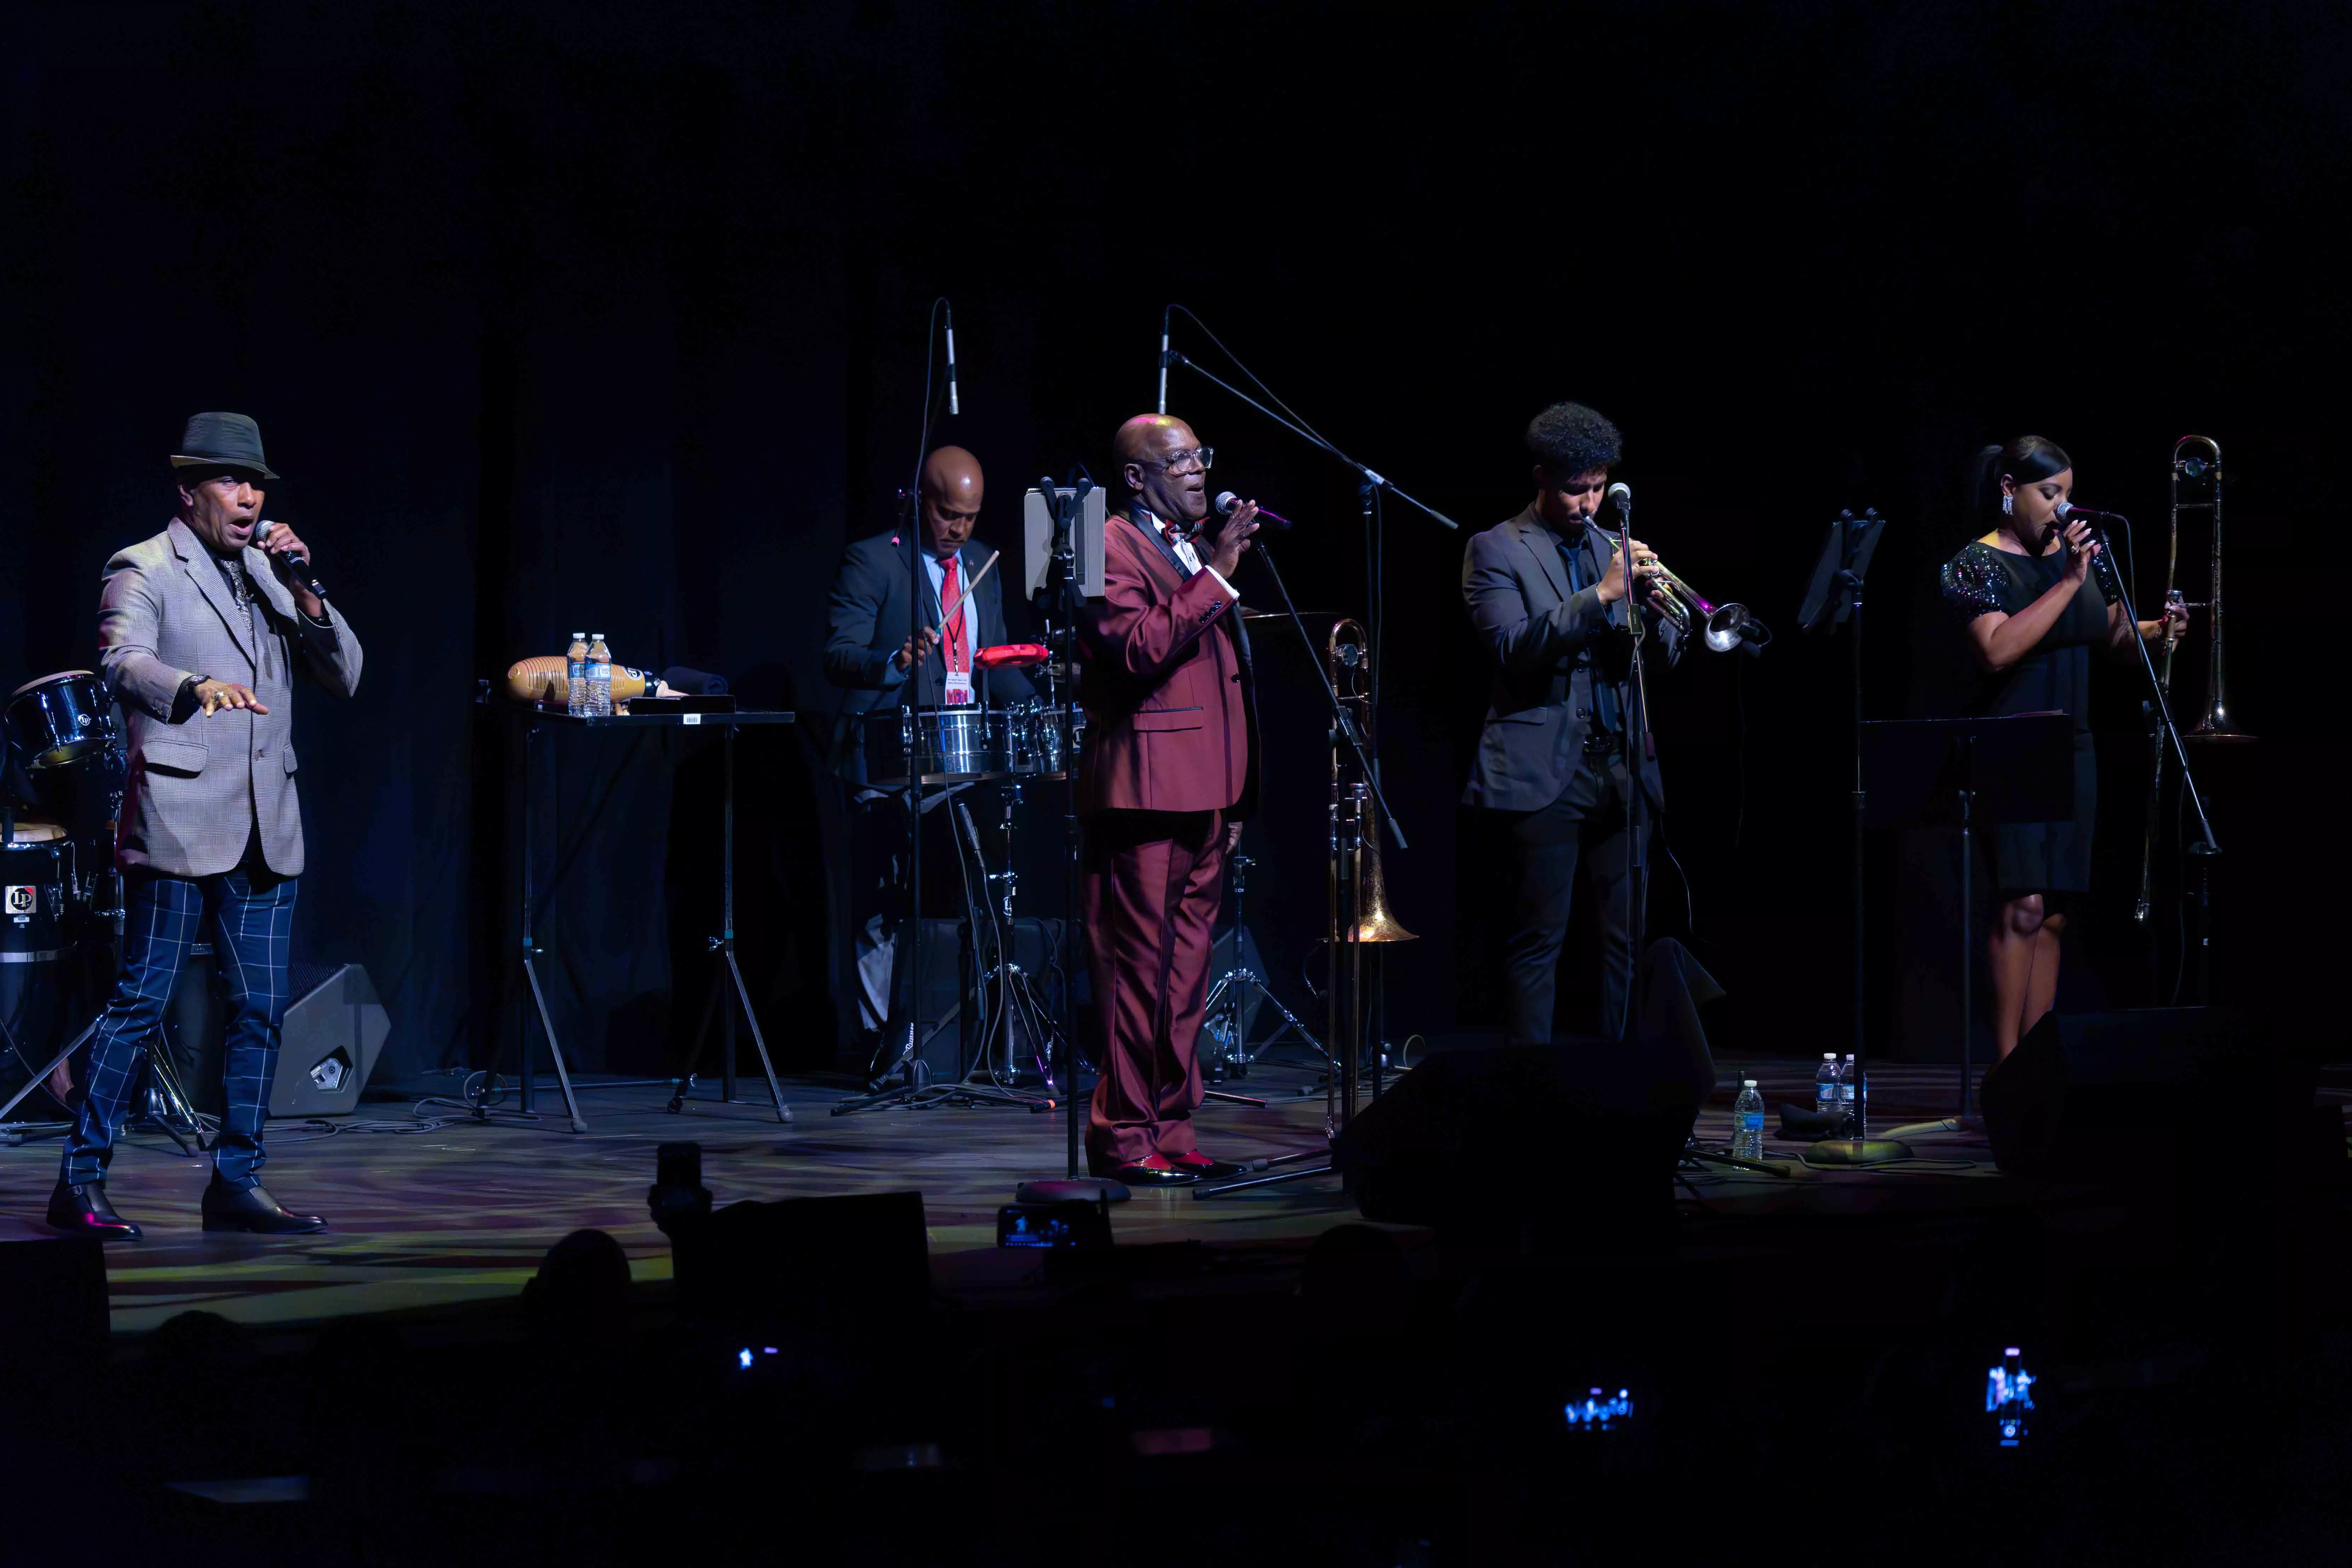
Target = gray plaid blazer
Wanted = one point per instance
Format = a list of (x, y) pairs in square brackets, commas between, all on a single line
[(198, 787)]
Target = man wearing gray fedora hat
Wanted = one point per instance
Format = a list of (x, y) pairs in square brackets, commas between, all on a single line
[(200, 630)]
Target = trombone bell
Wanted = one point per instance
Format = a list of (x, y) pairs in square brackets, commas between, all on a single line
[(1346, 657), (1378, 925)]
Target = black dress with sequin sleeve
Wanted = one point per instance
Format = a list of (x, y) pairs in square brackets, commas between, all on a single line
[(2039, 856)]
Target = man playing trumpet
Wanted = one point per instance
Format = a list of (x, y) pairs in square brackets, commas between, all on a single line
[(1548, 595)]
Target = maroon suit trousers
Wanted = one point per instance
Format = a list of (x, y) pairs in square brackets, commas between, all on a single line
[(1151, 886)]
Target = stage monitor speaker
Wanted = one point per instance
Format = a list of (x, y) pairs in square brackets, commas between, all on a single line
[(53, 1322), (1580, 1136), (329, 1045), (2098, 1094), (863, 1258)]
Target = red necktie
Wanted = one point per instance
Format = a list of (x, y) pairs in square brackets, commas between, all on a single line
[(959, 656)]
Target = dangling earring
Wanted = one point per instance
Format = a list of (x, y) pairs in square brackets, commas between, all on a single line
[(2008, 505)]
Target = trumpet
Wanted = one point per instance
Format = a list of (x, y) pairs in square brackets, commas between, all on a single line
[(1726, 627)]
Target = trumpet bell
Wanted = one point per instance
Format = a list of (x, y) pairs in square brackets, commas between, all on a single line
[(1732, 628)]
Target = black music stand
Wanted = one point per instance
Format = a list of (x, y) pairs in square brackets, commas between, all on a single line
[(1927, 773), (1835, 595), (534, 719)]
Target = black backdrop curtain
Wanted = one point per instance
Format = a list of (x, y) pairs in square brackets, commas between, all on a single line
[(587, 316)]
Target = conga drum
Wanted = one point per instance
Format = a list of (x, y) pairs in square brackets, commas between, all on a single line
[(33, 947)]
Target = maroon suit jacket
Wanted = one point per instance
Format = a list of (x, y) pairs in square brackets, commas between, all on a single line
[(1166, 683)]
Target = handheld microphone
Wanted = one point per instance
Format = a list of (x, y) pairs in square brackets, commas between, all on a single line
[(1229, 503), (297, 564), (953, 407)]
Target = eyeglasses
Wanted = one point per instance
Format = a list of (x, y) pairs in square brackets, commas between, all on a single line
[(1178, 462)]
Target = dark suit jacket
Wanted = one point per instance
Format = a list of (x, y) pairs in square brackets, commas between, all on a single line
[(1548, 645), (1165, 677), (867, 620)]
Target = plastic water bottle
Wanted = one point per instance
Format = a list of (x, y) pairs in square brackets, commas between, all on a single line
[(1748, 1123), (1849, 1095), (600, 677), (1825, 1084), (575, 670)]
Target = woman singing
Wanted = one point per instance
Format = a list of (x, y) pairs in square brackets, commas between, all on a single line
[(2037, 594)]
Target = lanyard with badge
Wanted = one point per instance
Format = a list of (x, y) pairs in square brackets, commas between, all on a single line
[(955, 646)]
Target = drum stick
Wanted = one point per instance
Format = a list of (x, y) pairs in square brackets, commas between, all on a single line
[(985, 568)]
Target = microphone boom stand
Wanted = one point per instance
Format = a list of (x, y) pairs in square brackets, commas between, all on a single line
[(1347, 872), (2206, 850), (1637, 749)]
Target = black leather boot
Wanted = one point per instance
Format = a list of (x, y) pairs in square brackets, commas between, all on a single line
[(254, 1210), (81, 1209)]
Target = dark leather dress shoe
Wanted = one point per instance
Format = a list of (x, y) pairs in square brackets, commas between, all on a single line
[(254, 1210), (1203, 1166), (81, 1209), (1153, 1171)]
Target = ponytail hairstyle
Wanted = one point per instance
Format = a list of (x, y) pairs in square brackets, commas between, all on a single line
[(2024, 460)]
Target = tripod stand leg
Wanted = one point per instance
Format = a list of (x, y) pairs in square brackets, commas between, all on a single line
[(166, 1081), (554, 1048), (775, 1090), (1299, 1175), (701, 1038), (51, 1066)]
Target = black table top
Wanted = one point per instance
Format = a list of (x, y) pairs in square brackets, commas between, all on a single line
[(533, 713)]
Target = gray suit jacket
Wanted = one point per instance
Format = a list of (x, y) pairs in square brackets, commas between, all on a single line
[(1548, 645), (198, 787)]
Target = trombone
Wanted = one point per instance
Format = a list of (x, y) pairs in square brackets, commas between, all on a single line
[(1360, 916), (1348, 656), (2196, 461), (1726, 627)]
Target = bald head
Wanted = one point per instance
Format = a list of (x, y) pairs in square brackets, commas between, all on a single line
[(1154, 456), (952, 496)]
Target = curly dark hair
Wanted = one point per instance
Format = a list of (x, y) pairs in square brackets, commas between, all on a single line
[(1568, 439)]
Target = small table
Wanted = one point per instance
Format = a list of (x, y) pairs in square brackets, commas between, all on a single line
[(535, 719)]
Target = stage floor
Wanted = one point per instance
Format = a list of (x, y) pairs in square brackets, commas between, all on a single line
[(461, 1214)]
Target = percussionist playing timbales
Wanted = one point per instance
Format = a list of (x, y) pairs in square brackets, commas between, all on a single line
[(875, 653), (1171, 769)]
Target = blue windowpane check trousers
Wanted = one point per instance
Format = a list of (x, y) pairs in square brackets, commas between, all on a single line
[(252, 917)]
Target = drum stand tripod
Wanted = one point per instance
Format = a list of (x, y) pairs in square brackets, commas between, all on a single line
[(1241, 986), (1019, 997), (973, 1082)]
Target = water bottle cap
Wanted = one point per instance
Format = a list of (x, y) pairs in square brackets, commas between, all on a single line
[(599, 636), (1748, 1083)]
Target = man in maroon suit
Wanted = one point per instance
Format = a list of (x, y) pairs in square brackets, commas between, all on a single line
[(1171, 771)]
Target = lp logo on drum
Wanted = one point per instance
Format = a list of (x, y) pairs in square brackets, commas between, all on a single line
[(23, 902)]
